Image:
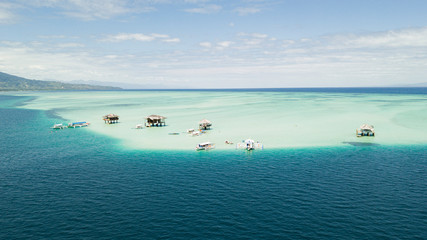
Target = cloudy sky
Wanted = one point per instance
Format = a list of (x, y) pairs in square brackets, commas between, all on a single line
[(217, 43)]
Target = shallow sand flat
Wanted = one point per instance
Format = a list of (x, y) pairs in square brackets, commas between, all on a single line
[(277, 119)]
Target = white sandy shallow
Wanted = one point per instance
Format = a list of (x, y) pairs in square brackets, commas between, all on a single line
[(277, 119)]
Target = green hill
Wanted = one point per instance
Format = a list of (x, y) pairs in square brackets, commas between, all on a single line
[(14, 83)]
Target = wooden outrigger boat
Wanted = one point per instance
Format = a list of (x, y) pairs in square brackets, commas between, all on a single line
[(205, 146), (78, 124), (58, 126)]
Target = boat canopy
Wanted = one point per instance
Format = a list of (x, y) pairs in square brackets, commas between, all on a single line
[(249, 141), (111, 115)]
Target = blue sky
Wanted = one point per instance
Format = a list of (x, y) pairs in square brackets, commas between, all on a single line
[(216, 43)]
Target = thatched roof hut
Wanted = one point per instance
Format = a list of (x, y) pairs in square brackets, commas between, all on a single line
[(111, 118), (155, 120), (205, 124), (365, 130)]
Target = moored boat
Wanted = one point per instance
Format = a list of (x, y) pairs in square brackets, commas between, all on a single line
[(78, 124), (249, 145), (205, 146), (58, 126)]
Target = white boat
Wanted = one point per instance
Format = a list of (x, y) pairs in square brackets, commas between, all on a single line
[(195, 134), (249, 145), (78, 124), (205, 146), (190, 131), (58, 126), (139, 126)]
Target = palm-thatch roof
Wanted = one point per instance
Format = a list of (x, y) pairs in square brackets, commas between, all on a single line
[(205, 124), (111, 116), (367, 127), (205, 121), (155, 117)]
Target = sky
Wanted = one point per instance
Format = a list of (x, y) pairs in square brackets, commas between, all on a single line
[(216, 43)]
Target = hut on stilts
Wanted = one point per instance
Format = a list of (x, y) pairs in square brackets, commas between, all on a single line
[(365, 130), (155, 121), (205, 124), (111, 118)]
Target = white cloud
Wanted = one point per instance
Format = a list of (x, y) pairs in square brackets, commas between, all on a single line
[(52, 36), (248, 40), (246, 11), (6, 13), (171, 40), (156, 35), (254, 35), (259, 35), (132, 36), (93, 9), (414, 37), (369, 59), (140, 37), (70, 45), (206, 44), (224, 44), (206, 9)]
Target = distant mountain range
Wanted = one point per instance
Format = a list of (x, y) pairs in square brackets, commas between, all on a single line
[(14, 83), (121, 85)]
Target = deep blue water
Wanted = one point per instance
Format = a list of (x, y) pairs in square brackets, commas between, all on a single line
[(76, 184)]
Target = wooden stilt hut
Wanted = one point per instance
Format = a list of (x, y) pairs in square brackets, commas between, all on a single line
[(365, 130), (111, 118), (155, 121), (205, 124)]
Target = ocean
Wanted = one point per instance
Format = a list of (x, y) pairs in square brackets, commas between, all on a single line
[(313, 180)]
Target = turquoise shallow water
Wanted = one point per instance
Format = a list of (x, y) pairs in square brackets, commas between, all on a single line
[(81, 184), (278, 119)]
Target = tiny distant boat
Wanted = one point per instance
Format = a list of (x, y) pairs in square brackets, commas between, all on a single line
[(139, 126), (190, 131), (78, 124), (365, 130), (58, 126), (228, 142), (249, 145), (195, 134), (205, 146), (174, 133)]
